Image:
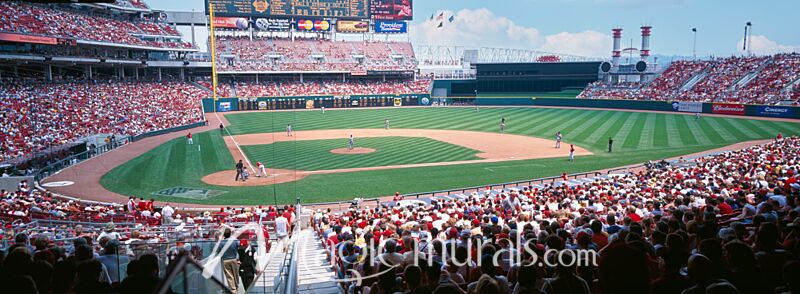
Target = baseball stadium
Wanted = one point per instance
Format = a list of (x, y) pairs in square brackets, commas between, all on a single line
[(377, 146)]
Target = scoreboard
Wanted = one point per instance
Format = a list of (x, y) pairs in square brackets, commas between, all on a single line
[(283, 8)]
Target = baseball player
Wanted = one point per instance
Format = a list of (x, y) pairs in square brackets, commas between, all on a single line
[(696, 115), (503, 125), (558, 139), (571, 152), (289, 130), (189, 138), (610, 143), (323, 110), (386, 124), (262, 170), (221, 129), (351, 143)]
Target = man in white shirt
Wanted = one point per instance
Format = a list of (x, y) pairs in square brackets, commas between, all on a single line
[(131, 205), (166, 214), (282, 231), (110, 232)]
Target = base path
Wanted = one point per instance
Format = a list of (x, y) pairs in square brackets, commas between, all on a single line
[(493, 147), (87, 174)]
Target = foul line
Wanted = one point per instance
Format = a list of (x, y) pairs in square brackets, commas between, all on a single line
[(247, 160)]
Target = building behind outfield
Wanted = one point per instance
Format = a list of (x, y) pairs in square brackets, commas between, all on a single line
[(534, 77)]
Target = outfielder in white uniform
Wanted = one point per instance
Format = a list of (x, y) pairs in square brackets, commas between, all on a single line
[(386, 124), (289, 130)]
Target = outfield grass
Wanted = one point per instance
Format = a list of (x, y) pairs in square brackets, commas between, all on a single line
[(638, 137), (316, 154)]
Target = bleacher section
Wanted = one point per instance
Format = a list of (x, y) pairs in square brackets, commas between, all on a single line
[(43, 20), (321, 87), (759, 80), (39, 115), (301, 55)]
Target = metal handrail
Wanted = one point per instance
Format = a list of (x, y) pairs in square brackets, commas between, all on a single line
[(291, 277)]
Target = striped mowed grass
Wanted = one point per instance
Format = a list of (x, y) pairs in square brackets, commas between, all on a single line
[(638, 137), (316, 155)]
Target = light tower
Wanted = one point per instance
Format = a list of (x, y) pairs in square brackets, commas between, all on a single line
[(615, 53), (644, 52)]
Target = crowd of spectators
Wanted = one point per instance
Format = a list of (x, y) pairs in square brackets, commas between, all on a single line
[(721, 76), (48, 21), (726, 223), (323, 87), (37, 115), (114, 258), (601, 89), (759, 79), (782, 70), (275, 54)]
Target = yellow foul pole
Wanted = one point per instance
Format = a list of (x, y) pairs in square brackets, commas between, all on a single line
[(213, 52)]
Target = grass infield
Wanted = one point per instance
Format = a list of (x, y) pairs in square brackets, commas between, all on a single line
[(638, 137), (316, 155)]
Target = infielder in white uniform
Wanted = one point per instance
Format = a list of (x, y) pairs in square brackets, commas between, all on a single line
[(558, 140)]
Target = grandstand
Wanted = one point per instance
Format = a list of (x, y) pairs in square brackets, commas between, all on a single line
[(750, 80), (132, 162)]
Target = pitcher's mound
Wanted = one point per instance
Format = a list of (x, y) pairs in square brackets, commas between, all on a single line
[(357, 150)]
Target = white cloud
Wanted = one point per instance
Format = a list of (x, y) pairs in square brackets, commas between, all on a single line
[(586, 43), (760, 44), (473, 27), (482, 28)]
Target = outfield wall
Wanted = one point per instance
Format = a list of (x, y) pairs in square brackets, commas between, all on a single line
[(690, 107), (314, 102)]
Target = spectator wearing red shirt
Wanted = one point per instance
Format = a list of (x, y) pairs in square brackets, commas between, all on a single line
[(142, 205), (724, 208)]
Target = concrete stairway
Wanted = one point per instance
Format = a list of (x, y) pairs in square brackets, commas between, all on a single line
[(266, 281), (314, 271)]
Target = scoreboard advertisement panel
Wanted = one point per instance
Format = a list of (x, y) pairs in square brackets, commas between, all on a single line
[(391, 9), (281, 8), (352, 26)]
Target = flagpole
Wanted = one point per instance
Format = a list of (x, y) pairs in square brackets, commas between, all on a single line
[(694, 44)]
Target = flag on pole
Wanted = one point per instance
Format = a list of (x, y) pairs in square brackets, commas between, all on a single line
[(694, 30)]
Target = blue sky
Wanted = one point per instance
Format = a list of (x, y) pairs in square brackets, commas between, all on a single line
[(583, 27)]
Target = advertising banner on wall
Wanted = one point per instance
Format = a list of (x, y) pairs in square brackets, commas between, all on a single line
[(728, 108), (687, 106), (231, 23), (224, 107), (390, 27), (20, 38), (273, 24), (352, 26), (313, 25), (775, 111)]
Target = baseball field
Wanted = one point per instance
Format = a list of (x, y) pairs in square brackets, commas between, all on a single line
[(425, 149)]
